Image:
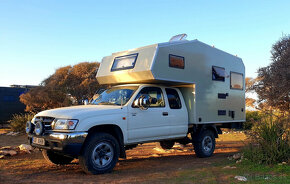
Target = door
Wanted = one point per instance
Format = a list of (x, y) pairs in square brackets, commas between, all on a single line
[(152, 123), (177, 113)]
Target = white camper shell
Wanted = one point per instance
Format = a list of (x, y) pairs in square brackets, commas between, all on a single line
[(211, 81)]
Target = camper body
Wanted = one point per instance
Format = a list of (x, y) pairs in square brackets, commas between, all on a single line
[(162, 92)]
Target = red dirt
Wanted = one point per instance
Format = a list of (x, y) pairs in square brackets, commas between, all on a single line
[(146, 163)]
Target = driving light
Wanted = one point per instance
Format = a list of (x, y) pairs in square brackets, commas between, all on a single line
[(65, 124), (39, 129), (29, 127)]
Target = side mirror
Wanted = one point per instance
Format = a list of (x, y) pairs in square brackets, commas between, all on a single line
[(143, 102)]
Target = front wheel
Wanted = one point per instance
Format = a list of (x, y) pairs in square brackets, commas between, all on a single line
[(204, 143), (100, 154)]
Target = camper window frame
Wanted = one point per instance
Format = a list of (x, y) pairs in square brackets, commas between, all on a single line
[(212, 68), (242, 81), (183, 59), (125, 68)]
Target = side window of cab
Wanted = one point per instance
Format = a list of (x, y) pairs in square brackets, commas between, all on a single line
[(154, 93), (173, 98)]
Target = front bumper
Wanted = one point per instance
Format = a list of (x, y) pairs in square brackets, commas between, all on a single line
[(66, 143)]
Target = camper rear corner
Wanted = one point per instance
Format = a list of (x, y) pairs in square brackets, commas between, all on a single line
[(216, 79)]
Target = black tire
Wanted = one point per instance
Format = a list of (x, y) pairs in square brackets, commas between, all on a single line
[(56, 158), (166, 144), (100, 154), (204, 143)]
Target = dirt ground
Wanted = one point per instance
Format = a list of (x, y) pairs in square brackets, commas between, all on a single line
[(146, 163)]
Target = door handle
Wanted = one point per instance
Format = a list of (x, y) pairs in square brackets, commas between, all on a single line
[(165, 113), (134, 114)]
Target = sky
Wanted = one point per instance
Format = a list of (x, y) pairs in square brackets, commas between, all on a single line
[(37, 37)]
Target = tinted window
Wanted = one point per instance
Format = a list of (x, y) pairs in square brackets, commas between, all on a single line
[(173, 98), (218, 73), (153, 92), (176, 61), (237, 80)]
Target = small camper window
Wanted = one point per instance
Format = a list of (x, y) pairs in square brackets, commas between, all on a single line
[(124, 62), (218, 73), (236, 80), (176, 61)]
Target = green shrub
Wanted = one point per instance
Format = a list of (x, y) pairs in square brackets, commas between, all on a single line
[(270, 141), (251, 118), (18, 121)]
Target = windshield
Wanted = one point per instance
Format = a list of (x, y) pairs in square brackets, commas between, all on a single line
[(115, 96)]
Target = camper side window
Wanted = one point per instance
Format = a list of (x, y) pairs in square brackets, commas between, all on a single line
[(124, 62), (176, 61), (173, 98), (218, 73), (237, 80), (155, 93)]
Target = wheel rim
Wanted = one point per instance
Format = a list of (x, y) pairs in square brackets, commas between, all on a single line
[(103, 154), (207, 143)]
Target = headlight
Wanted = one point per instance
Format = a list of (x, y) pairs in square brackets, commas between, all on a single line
[(64, 124)]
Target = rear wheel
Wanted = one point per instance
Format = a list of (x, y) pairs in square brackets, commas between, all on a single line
[(204, 143), (100, 154), (166, 144), (55, 158)]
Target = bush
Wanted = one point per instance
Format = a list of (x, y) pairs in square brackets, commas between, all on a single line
[(251, 118), (270, 141), (18, 121)]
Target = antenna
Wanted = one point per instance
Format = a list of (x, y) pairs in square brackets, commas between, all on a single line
[(178, 37)]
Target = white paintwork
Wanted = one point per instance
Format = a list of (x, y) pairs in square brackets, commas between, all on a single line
[(143, 125), (139, 125)]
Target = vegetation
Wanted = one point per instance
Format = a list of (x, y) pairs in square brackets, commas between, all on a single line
[(249, 89), (18, 121), (68, 85), (273, 81), (251, 118), (270, 134), (218, 173), (270, 141)]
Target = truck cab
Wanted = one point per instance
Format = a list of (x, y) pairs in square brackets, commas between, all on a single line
[(184, 91)]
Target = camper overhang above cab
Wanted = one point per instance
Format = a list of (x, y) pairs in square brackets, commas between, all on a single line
[(170, 62)]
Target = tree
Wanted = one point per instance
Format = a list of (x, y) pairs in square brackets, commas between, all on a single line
[(249, 88), (273, 84), (67, 83)]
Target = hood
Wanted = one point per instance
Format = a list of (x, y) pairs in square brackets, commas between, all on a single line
[(77, 112)]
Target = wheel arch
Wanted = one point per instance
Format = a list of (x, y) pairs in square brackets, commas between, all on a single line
[(212, 127), (113, 130)]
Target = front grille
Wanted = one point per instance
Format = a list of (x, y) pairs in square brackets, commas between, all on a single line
[(46, 121)]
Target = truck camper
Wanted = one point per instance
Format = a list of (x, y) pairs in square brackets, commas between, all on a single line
[(178, 91)]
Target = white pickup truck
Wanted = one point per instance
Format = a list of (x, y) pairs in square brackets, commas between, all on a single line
[(182, 91)]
